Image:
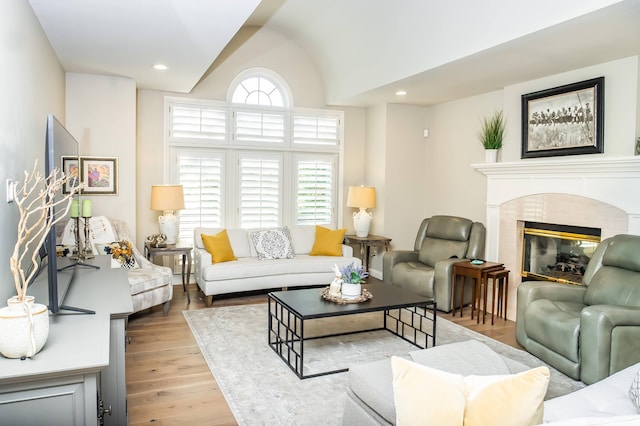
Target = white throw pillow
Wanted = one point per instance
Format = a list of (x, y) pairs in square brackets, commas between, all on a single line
[(426, 396), (272, 243), (634, 391)]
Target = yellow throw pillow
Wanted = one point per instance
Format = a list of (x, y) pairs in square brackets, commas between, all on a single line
[(219, 247), (426, 396), (328, 242)]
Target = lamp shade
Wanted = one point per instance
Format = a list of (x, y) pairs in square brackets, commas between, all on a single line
[(361, 197), (167, 197)]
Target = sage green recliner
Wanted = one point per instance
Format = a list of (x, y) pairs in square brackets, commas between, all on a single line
[(587, 331), (428, 268)]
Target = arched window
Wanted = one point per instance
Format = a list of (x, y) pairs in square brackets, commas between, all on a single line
[(258, 86)]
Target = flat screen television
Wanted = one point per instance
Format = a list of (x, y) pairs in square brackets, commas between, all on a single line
[(59, 144)]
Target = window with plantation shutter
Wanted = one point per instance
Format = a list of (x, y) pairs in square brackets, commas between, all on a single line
[(197, 122), (253, 161), (260, 187), (315, 190), (316, 129), (201, 175)]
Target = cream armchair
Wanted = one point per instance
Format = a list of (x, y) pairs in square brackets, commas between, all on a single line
[(151, 284), (428, 268)]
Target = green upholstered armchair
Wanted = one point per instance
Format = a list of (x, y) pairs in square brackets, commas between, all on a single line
[(587, 331), (428, 268)]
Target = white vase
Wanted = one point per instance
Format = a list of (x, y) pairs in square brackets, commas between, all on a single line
[(351, 291), (24, 327), (491, 155)]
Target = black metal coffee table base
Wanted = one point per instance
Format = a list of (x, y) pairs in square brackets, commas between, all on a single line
[(408, 316)]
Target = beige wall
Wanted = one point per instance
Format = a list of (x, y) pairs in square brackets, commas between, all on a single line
[(31, 86), (101, 114), (265, 49), (448, 184), (620, 105)]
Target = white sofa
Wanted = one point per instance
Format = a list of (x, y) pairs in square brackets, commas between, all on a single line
[(602, 403), (251, 273)]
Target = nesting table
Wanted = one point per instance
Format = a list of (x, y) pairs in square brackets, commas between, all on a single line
[(479, 275)]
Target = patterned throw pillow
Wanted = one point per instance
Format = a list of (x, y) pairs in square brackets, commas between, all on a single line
[(273, 243), (634, 391)]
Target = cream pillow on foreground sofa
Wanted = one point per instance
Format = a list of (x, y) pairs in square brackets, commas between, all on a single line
[(426, 396)]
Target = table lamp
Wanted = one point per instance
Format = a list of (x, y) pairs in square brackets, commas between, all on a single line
[(168, 199), (362, 197)]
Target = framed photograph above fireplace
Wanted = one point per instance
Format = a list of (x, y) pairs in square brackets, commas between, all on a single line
[(565, 120)]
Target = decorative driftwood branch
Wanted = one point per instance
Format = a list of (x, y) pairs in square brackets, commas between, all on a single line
[(35, 206)]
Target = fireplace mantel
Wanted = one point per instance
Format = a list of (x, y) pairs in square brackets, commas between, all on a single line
[(623, 166), (615, 181)]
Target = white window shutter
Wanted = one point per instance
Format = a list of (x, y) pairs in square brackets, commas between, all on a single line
[(199, 122), (315, 192), (202, 179), (316, 129), (260, 190), (259, 127)]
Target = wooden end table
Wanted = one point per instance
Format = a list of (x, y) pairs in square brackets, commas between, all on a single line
[(365, 245), (478, 273), (182, 249)]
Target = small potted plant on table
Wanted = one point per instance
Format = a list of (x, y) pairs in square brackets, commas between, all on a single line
[(352, 279)]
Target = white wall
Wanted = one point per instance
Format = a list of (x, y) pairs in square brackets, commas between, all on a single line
[(31, 86), (101, 115)]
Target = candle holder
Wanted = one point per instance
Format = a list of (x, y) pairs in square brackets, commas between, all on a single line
[(77, 251), (88, 249), (81, 253)]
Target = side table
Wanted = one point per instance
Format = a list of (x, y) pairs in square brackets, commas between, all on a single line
[(365, 245), (478, 274), (182, 249)]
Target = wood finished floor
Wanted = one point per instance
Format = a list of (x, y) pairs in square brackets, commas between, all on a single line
[(168, 380)]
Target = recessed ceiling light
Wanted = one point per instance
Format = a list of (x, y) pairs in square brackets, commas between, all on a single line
[(160, 67), (401, 92)]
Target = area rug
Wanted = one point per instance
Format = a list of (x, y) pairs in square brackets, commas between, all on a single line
[(261, 390)]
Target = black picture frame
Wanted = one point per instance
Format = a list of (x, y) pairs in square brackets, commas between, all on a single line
[(564, 120)]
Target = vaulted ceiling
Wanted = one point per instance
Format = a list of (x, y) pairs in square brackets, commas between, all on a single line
[(365, 50)]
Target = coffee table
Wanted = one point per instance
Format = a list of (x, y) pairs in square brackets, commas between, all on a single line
[(407, 315)]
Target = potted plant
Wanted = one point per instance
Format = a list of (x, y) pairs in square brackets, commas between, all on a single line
[(24, 325), (491, 135), (352, 279)]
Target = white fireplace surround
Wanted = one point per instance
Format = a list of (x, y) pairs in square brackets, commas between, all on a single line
[(567, 191)]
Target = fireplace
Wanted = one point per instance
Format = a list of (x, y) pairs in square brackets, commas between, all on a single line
[(557, 253), (590, 191)]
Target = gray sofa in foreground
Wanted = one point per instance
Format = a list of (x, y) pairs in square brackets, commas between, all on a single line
[(369, 399)]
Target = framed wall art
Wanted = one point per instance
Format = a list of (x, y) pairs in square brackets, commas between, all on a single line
[(100, 175), (565, 120), (70, 167)]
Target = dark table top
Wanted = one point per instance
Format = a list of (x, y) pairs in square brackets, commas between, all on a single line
[(308, 303)]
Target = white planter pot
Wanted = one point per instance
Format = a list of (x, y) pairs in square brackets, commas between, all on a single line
[(24, 327), (491, 155), (351, 291)]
